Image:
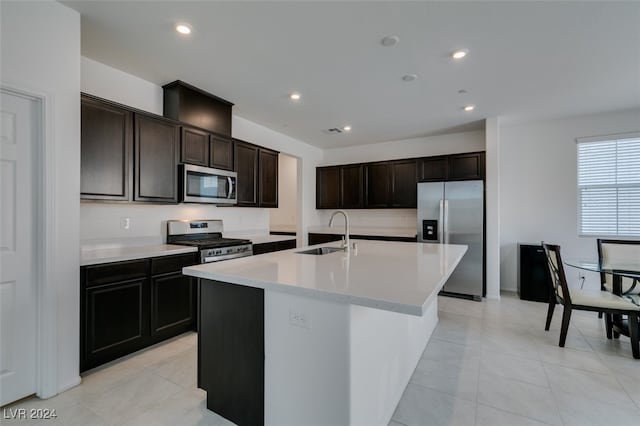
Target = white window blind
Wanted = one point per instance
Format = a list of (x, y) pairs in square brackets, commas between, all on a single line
[(609, 187)]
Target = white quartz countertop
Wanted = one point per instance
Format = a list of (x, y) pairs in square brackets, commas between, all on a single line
[(395, 276), (362, 230), (116, 254)]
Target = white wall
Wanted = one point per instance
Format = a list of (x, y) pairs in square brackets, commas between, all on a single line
[(452, 143), (110, 83), (41, 54), (538, 186), (409, 148), (492, 208), (286, 212)]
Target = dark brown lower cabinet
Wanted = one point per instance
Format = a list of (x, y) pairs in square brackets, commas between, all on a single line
[(275, 246), (327, 238), (116, 321), (126, 306), (172, 304)]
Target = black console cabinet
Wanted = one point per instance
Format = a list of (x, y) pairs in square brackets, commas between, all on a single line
[(534, 281)]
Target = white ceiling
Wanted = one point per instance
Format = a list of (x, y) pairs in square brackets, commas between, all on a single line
[(527, 60)]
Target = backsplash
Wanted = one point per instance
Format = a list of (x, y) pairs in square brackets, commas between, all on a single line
[(102, 221), (378, 218)]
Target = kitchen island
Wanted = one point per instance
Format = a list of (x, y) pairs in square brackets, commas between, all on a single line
[(288, 338)]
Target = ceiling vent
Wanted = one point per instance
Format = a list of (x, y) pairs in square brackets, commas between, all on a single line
[(333, 131)]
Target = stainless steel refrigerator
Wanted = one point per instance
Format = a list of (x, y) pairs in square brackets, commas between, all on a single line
[(453, 213)]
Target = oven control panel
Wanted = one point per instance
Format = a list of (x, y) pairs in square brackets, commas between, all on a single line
[(224, 253)]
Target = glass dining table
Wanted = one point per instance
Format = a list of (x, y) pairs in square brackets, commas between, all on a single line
[(617, 271)]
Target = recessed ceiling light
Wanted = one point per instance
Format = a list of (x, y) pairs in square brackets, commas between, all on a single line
[(389, 41), (409, 77), (347, 128), (469, 108), (183, 28), (459, 54), (295, 96)]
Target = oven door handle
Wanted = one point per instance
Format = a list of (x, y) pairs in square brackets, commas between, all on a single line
[(230, 180)]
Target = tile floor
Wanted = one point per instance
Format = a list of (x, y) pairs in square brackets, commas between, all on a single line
[(488, 364)]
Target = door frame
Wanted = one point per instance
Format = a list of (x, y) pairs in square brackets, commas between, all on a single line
[(43, 166)]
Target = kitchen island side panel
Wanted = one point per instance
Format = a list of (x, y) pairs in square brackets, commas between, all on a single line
[(231, 350)]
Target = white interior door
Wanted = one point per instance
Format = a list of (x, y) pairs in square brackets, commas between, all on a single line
[(19, 130)]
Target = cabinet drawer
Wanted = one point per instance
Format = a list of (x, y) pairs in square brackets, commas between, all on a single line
[(115, 272), (175, 263)]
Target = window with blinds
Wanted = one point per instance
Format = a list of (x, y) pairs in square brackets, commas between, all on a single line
[(609, 187)]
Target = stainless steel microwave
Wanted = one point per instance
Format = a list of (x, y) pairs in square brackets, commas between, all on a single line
[(206, 185)]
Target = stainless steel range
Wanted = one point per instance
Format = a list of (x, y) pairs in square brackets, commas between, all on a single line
[(207, 236)]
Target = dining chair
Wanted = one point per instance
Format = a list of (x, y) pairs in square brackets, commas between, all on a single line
[(625, 251), (586, 300)]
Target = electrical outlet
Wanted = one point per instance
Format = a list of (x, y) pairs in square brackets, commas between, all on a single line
[(299, 319), (125, 223)]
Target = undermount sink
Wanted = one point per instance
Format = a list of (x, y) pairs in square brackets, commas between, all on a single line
[(320, 250)]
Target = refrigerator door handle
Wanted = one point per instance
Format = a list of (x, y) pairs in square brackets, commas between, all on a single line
[(441, 222), (446, 221)]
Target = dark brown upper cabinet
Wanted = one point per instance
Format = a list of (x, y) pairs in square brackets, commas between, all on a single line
[(106, 151), (194, 146), (434, 168), (404, 183), (466, 166), (157, 151), (257, 170), (328, 187), (352, 186), (246, 165), (391, 184), (221, 153), (188, 104), (268, 178), (377, 185)]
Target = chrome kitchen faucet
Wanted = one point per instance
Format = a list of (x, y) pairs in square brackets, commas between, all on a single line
[(345, 241)]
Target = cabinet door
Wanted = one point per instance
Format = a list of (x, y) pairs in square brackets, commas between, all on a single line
[(116, 321), (221, 153), (323, 238), (246, 165), (404, 183), (157, 150), (194, 147), (377, 185), (434, 169), (264, 248), (172, 304), (268, 181), (352, 186), (466, 166), (327, 187), (106, 151)]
